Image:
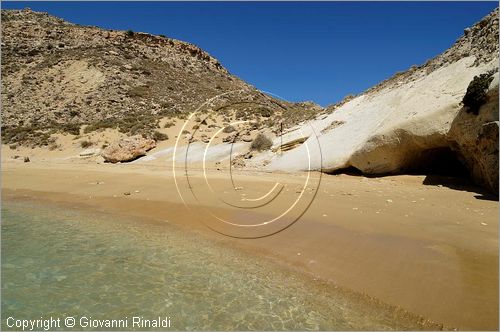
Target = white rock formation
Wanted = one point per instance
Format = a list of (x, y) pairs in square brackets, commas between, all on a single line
[(385, 131)]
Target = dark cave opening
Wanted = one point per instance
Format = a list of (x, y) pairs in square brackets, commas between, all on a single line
[(440, 166), (439, 161)]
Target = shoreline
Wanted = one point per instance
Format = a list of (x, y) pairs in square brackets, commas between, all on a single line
[(393, 256), (319, 290)]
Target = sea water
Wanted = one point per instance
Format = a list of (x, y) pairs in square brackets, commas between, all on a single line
[(63, 262)]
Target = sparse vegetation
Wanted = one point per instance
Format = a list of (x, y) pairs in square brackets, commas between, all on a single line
[(132, 124), (157, 136), (73, 113), (53, 143), (30, 135), (71, 128), (169, 124), (265, 112), (139, 89), (138, 92), (99, 125), (476, 92), (228, 129), (261, 143), (85, 144)]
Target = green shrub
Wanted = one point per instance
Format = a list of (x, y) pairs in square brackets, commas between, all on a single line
[(228, 129), (261, 143), (265, 112), (30, 135), (476, 92), (73, 113), (101, 124), (157, 136), (241, 115), (71, 128), (129, 33), (169, 124), (85, 144)]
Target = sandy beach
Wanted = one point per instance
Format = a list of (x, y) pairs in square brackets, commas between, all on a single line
[(425, 244), (286, 166)]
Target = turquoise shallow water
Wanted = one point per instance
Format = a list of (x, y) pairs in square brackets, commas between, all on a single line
[(65, 262)]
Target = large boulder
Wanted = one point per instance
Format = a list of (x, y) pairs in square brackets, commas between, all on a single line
[(128, 149), (475, 138)]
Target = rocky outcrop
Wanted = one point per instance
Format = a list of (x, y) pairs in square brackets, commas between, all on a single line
[(128, 149), (475, 138), (404, 122)]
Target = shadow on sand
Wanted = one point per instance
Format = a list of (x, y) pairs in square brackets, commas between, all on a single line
[(459, 183)]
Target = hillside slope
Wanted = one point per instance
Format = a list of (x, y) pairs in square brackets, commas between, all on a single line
[(59, 76)]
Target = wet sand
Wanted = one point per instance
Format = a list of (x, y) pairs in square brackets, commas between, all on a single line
[(429, 249)]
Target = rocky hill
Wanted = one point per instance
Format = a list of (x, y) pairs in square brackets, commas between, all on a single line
[(62, 77)]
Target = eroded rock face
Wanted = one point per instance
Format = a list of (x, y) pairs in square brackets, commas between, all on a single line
[(387, 131), (404, 123), (475, 138), (128, 149)]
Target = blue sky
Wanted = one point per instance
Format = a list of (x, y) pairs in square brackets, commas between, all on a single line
[(319, 51)]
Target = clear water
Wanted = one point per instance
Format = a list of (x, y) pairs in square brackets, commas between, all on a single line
[(66, 262)]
